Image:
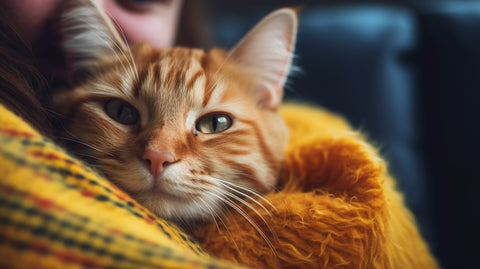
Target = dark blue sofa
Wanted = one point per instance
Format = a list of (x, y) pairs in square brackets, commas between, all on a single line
[(409, 77)]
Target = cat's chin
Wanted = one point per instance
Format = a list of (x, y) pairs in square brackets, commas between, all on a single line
[(178, 206)]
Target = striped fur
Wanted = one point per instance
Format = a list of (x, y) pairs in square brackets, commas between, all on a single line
[(172, 89)]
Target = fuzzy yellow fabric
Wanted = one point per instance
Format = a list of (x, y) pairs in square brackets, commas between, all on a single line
[(57, 213), (336, 207)]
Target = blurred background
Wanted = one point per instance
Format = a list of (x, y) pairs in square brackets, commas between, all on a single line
[(406, 73)]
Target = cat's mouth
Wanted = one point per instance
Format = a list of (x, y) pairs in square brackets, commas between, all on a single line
[(171, 196), (168, 188), (179, 187)]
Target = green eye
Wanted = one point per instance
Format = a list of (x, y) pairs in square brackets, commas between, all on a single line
[(214, 123), (121, 111)]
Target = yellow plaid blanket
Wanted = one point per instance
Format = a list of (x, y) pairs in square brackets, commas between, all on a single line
[(55, 212)]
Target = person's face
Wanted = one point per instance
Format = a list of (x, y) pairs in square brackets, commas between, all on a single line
[(154, 21)]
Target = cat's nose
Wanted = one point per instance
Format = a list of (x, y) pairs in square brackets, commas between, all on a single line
[(158, 160)]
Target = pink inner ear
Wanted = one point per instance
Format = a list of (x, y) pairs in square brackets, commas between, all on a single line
[(267, 52)]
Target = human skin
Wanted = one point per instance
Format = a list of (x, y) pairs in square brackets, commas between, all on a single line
[(153, 21)]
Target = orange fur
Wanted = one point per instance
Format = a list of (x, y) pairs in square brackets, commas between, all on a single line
[(174, 83), (336, 206), (170, 91)]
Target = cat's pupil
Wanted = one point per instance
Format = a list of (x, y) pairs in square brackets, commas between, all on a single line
[(124, 113), (121, 111)]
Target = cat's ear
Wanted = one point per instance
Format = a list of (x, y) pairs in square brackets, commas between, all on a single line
[(87, 34), (267, 50)]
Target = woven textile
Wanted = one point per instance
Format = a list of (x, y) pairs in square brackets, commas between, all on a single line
[(56, 212)]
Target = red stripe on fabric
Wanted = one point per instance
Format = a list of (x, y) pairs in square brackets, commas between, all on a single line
[(46, 203), (16, 133), (88, 194), (44, 176), (63, 255), (71, 257), (49, 156), (115, 231), (121, 197), (149, 221)]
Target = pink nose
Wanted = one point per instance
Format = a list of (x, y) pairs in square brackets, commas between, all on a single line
[(158, 160)]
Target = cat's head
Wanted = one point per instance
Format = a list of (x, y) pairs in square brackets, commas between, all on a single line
[(185, 132)]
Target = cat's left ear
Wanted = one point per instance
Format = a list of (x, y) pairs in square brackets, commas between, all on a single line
[(267, 51), (88, 34)]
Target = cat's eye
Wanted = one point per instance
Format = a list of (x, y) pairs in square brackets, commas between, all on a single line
[(121, 111), (214, 123)]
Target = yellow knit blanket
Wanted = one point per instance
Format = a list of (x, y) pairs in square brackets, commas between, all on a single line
[(55, 212), (335, 207)]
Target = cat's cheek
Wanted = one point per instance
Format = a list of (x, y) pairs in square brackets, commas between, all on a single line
[(178, 181)]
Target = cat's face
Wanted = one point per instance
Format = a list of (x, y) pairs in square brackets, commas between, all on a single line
[(185, 132)]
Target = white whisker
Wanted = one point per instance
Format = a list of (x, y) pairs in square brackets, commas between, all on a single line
[(247, 196), (79, 154), (115, 50), (132, 62), (77, 140), (227, 201), (244, 188), (213, 214), (233, 196), (210, 210)]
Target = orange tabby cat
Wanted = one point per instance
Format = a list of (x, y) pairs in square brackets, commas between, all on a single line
[(187, 133)]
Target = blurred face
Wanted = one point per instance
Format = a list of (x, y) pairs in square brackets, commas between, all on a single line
[(154, 21)]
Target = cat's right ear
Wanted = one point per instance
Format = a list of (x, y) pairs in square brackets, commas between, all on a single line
[(87, 35), (267, 51)]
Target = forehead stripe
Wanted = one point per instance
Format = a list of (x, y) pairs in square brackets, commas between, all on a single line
[(138, 82), (194, 79)]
